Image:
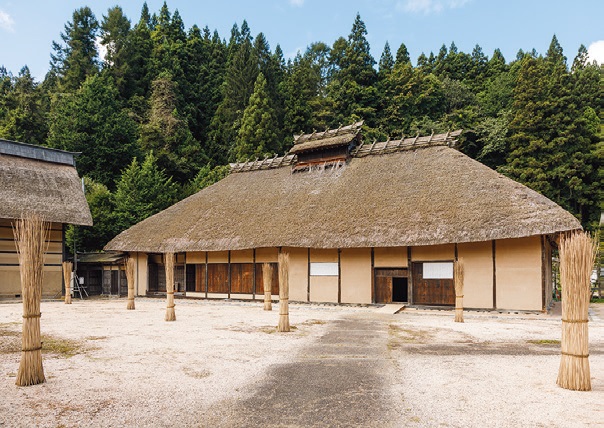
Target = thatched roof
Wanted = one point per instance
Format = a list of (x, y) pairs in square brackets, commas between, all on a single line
[(101, 258), (49, 187), (341, 136), (423, 195)]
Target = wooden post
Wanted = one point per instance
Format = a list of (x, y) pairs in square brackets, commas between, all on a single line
[(31, 239), (283, 292), (169, 265), (458, 278), (577, 253), (130, 270), (67, 267), (267, 283)]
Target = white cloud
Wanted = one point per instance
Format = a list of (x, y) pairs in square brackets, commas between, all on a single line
[(101, 48), (595, 51), (6, 21), (429, 6), (298, 3)]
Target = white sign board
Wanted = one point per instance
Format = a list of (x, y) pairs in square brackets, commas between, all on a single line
[(323, 269), (438, 270)]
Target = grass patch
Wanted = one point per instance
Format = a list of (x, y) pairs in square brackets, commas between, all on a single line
[(10, 338), (598, 300), (196, 374), (544, 342), (10, 342), (63, 348), (96, 338), (314, 322), (398, 335)]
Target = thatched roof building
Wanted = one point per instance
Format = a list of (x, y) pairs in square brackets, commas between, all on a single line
[(422, 194), (41, 180), (363, 223), (45, 181)]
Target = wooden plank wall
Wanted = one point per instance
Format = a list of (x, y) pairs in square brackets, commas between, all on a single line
[(244, 278), (10, 282), (431, 291)]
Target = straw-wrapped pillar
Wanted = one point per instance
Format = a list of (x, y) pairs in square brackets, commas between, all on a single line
[(169, 265), (458, 275), (130, 270), (67, 267), (283, 292), (267, 283), (31, 238), (577, 253)]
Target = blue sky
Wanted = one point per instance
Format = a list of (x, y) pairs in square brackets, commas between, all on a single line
[(27, 27)]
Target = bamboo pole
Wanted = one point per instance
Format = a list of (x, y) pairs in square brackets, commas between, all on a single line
[(130, 270), (67, 268), (283, 292), (169, 264), (577, 252), (458, 275), (267, 284), (31, 239)]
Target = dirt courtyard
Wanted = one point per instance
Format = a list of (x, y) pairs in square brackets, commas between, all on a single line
[(223, 364)]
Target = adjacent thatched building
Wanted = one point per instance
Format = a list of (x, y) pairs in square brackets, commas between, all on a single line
[(44, 181), (363, 223)]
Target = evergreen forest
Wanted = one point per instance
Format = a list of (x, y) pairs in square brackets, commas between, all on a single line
[(165, 110)]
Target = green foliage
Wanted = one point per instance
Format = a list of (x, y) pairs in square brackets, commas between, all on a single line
[(92, 121), (143, 190), (104, 217), (167, 134), (402, 55), (258, 134), (115, 37), (351, 89), (552, 142), (22, 113), (206, 177), (386, 62), (77, 59)]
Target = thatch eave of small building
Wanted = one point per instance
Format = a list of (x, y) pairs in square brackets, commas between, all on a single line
[(424, 196), (51, 189), (101, 258)]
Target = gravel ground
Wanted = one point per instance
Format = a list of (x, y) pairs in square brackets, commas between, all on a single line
[(109, 367)]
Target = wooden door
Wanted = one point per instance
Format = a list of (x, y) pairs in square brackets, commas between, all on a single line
[(179, 278), (242, 278), (431, 291), (383, 282), (200, 278), (218, 278), (161, 278), (383, 289), (123, 280), (115, 283), (106, 282)]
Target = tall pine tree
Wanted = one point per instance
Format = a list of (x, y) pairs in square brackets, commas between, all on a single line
[(77, 58), (259, 132)]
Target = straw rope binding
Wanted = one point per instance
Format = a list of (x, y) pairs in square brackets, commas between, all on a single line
[(283, 292), (31, 239), (169, 265), (577, 254), (267, 283)]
